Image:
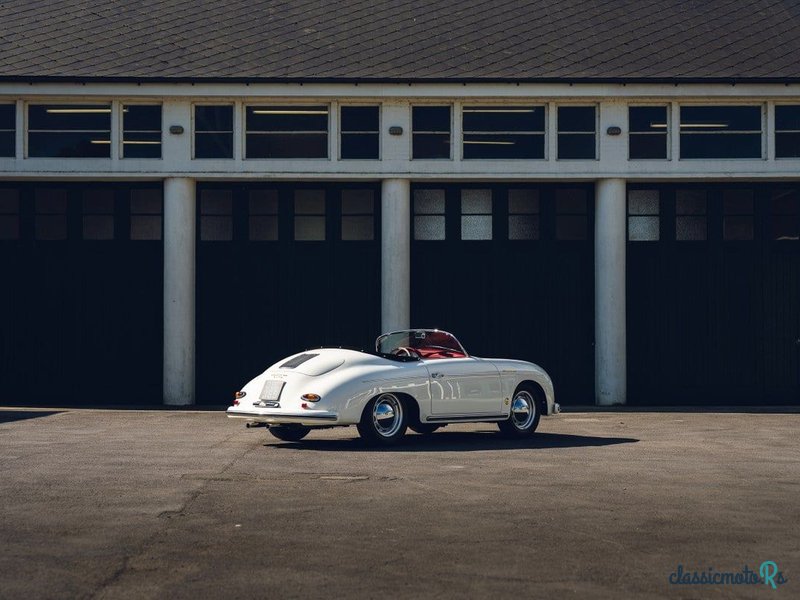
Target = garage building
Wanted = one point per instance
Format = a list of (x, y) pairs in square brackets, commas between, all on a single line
[(190, 191)]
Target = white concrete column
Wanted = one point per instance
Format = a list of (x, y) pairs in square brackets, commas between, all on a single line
[(180, 232), (609, 293), (395, 254)]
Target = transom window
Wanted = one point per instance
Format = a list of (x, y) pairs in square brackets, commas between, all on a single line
[(431, 126), (785, 215), (360, 131), (503, 131), (8, 127), (647, 132), (263, 208), (216, 215), (146, 211), (98, 214), (69, 130), (572, 214), (9, 214), (737, 215), (720, 131), (577, 131), (213, 131), (644, 215), (691, 215), (287, 131), (787, 131), (309, 215), (50, 205), (358, 215), (141, 131)]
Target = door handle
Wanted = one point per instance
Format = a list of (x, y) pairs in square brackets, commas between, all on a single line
[(437, 375)]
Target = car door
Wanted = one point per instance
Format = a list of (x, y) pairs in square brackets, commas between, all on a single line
[(464, 386)]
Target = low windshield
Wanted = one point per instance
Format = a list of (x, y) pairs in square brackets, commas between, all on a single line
[(425, 343)]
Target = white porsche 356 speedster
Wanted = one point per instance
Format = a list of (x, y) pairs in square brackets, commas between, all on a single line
[(417, 378)]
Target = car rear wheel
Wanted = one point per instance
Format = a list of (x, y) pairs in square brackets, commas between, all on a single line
[(383, 421), (524, 417), (289, 433)]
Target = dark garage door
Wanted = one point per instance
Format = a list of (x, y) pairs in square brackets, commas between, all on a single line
[(714, 294), (282, 268), (509, 270), (81, 297)]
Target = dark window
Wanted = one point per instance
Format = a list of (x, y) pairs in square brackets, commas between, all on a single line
[(476, 214), (429, 220), (647, 132), (644, 218), (141, 131), (51, 214), (69, 131), (691, 221), (9, 214), (287, 132), (360, 127), (358, 215), (263, 215), (216, 215), (98, 214), (431, 131), (8, 127), (213, 131), (787, 131), (309, 215), (503, 131), (572, 221), (523, 214), (576, 131), (720, 132), (737, 215), (146, 214), (785, 214)]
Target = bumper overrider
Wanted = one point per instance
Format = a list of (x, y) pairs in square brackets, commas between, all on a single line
[(273, 417)]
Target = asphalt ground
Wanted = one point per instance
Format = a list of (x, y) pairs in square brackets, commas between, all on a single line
[(181, 504)]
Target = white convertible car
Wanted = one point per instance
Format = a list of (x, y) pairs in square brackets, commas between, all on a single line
[(421, 379)]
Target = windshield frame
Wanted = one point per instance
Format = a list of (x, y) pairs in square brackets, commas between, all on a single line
[(411, 332)]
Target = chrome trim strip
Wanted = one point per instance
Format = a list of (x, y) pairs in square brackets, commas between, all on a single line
[(278, 417), (477, 418)]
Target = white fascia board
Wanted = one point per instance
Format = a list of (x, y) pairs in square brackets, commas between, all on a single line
[(289, 91)]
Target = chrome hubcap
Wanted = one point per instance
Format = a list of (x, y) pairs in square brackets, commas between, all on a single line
[(523, 410), (387, 415)]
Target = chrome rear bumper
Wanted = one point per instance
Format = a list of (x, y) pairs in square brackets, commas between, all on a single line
[(311, 419)]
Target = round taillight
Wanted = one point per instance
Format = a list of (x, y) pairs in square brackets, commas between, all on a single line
[(239, 395), (311, 397)]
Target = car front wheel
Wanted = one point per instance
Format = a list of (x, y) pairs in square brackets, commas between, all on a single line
[(524, 417), (383, 421), (289, 433)]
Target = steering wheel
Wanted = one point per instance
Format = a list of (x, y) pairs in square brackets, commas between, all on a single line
[(405, 351)]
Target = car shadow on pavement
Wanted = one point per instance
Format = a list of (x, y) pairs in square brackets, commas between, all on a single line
[(8, 416), (443, 441)]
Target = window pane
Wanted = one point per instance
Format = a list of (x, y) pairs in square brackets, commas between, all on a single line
[(309, 202), (787, 145), (141, 145), (576, 118), (360, 118), (98, 202), (263, 228), (145, 227), (98, 227), (287, 132), (476, 227), (428, 202), (503, 118), (213, 145), (430, 118), (9, 201), (476, 202), (737, 202), (523, 201), (647, 118), (571, 227), (571, 201), (720, 118), (50, 201), (308, 229), (287, 145), (69, 117), (643, 202), (146, 201), (9, 227), (503, 146), (288, 118), (431, 145), (429, 227), (523, 227), (356, 202), (784, 214), (358, 228), (644, 146), (576, 145), (643, 229), (737, 228), (51, 227), (690, 202), (216, 228), (69, 131), (7, 143), (7, 129), (263, 202), (213, 118), (716, 131), (141, 117), (69, 145), (360, 145), (8, 116), (216, 202), (690, 228), (721, 145)]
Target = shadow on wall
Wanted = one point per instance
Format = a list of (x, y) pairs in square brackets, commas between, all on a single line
[(444, 441)]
